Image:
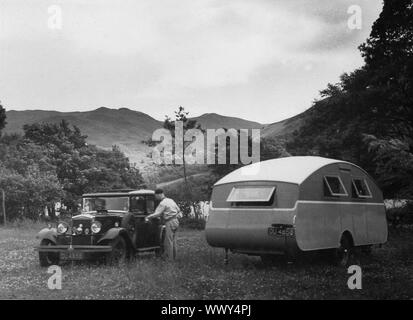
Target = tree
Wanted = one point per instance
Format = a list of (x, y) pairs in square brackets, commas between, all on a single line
[(53, 162), (394, 166), (169, 124), (390, 42), (2, 118), (270, 148), (388, 55), (80, 167), (375, 100), (27, 195)]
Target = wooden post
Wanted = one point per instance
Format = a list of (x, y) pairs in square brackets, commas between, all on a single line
[(3, 206)]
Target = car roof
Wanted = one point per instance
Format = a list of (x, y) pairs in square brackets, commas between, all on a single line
[(289, 169), (120, 193)]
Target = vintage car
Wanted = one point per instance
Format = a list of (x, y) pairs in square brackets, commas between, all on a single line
[(111, 226)]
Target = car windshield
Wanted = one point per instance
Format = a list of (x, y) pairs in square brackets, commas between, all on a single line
[(106, 203)]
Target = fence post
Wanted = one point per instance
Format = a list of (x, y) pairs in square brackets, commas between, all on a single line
[(3, 206)]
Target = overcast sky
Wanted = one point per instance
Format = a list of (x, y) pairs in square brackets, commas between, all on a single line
[(263, 60)]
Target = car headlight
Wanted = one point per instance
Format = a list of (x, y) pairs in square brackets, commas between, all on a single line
[(62, 228), (96, 227)]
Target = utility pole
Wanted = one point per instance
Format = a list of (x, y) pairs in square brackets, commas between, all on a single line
[(3, 206)]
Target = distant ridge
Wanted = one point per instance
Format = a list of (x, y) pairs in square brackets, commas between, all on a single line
[(216, 121), (127, 128)]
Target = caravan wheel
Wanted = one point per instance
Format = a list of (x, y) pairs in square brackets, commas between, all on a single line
[(343, 254)]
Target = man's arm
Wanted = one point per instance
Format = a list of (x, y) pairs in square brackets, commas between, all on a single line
[(158, 212)]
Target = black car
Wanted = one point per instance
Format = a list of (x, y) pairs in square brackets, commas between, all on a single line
[(111, 226)]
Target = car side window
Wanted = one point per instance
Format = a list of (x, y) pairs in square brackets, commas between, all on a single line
[(150, 204), (138, 204)]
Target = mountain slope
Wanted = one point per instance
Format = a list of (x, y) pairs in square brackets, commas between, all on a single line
[(216, 121), (285, 128), (104, 127), (124, 127), (128, 128)]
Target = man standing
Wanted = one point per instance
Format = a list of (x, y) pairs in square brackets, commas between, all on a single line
[(169, 211)]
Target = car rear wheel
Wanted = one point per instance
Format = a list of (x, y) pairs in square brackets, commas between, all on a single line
[(119, 251), (47, 259)]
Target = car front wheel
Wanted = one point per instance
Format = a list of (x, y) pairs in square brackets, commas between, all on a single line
[(119, 251), (47, 259)]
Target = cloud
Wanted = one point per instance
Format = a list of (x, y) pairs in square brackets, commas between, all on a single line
[(157, 53)]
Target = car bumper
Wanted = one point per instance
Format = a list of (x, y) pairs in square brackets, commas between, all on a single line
[(75, 248)]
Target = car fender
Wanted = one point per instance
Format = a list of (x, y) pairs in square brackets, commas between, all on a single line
[(113, 233), (46, 233)]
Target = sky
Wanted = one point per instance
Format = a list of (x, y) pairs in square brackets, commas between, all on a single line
[(262, 60)]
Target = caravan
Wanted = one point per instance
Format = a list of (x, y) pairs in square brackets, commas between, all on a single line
[(295, 204)]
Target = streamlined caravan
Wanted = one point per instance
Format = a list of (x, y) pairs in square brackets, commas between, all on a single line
[(294, 204)]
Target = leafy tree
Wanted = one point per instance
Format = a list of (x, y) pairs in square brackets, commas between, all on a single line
[(2, 118), (270, 148), (169, 124), (53, 162), (28, 195), (80, 167), (375, 100), (394, 165)]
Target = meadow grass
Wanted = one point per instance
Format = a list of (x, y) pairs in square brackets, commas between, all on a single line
[(200, 273)]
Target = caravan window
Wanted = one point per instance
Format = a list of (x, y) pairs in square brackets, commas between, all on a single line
[(333, 186), (251, 196), (360, 189)]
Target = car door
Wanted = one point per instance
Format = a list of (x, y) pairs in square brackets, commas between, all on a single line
[(142, 228), (154, 224)]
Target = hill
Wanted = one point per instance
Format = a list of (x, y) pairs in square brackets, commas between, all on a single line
[(104, 127), (128, 128), (285, 128), (216, 121)]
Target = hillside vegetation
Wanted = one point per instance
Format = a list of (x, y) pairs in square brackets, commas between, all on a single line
[(367, 118), (52, 163)]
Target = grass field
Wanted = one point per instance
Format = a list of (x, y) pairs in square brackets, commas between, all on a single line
[(200, 273)]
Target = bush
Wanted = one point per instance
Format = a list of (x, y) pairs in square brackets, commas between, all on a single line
[(192, 223), (401, 215)]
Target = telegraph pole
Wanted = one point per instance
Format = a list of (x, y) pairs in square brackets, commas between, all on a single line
[(3, 206)]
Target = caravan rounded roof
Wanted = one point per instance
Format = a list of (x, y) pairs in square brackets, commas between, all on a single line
[(290, 169)]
